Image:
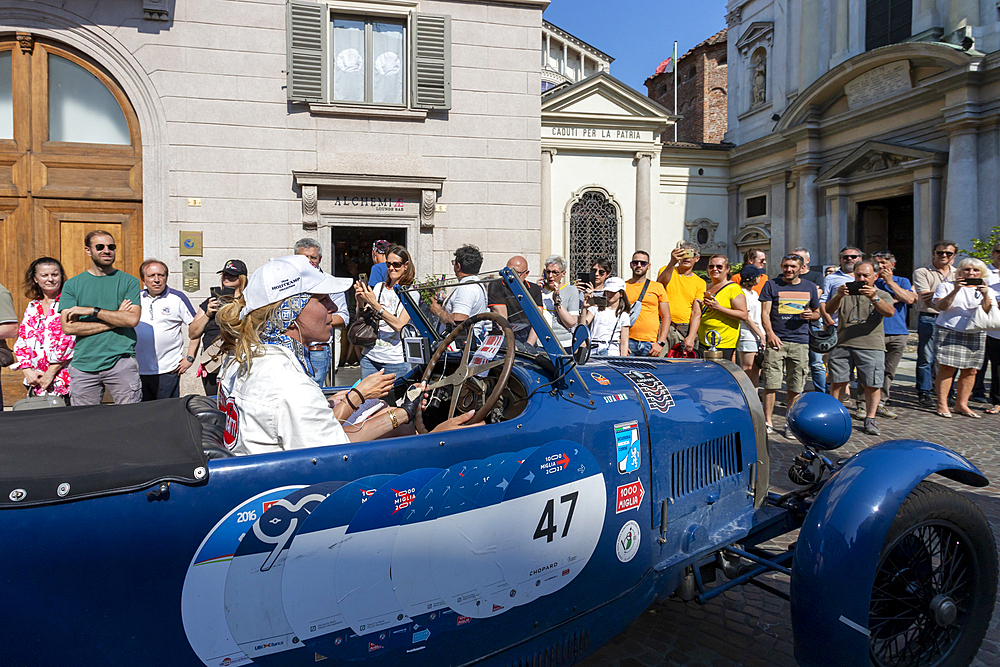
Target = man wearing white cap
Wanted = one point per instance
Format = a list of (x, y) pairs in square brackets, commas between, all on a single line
[(270, 401)]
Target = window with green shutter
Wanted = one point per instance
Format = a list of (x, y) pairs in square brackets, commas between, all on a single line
[(354, 59)]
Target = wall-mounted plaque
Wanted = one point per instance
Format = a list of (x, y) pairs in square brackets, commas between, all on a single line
[(191, 244), (191, 273)]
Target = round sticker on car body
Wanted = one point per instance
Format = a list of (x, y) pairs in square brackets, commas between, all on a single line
[(627, 545)]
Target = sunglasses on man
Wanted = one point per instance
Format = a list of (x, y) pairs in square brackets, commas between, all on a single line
[(639, 262), (944, 253), (100, 246)]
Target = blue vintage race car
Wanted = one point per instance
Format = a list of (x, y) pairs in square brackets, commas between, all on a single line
[(596, 487)]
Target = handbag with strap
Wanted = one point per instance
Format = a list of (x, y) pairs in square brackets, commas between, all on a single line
[(6, 356), (983, 321), (636, 309), (363, 329)]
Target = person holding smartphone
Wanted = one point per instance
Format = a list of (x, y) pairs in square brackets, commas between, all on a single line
[(862, 309), (233, 279), (956, 348)]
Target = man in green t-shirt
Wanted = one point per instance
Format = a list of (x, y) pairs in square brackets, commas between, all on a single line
[(101, 308)]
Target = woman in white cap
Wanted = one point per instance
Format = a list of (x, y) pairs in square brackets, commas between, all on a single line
[(270, 400), (608, 323)]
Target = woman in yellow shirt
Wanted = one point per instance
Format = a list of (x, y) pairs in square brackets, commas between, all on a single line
[(721, 308)]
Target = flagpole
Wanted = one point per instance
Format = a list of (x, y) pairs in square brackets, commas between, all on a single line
[(675, 87)]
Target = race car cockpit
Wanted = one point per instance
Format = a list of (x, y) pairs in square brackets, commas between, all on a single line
[(470, 366)]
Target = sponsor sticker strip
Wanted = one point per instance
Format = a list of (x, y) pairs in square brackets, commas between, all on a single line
[(652, 389)]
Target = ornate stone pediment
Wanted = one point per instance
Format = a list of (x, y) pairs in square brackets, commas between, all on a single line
[(758, 32), (873, 157)]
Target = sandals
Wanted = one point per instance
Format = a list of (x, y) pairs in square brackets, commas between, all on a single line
[(970, 414), (946, 415), (995, 410)]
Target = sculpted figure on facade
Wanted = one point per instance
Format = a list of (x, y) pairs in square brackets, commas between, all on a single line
[(758, 87)]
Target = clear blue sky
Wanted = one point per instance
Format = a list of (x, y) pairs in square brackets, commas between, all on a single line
[(638, 34)]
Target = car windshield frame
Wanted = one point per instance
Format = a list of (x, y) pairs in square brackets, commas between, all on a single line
[(548, 342)]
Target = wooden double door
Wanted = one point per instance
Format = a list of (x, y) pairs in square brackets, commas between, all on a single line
[(70, 162)]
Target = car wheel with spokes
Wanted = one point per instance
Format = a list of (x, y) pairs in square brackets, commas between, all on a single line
[(936, 582)]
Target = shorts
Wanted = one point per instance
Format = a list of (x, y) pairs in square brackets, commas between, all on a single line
[(748, 346), (870, 365), (790, 363)]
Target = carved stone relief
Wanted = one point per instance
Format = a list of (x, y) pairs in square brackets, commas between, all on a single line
[(428, 199), (155, 10), (310, 213), (879, 162), (702, 231)]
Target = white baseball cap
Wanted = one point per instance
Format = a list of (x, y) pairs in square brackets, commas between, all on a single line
[(614, 284), (283, 277)]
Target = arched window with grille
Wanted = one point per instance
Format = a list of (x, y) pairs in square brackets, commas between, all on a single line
[(593, 231)]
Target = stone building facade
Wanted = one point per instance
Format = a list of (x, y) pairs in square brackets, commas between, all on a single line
[(701, 91), (255, 123), (863, 122)]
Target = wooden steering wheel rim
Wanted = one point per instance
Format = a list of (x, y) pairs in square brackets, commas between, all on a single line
[(464, 371)]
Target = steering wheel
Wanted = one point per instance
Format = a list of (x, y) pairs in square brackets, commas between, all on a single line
[(465, 372)]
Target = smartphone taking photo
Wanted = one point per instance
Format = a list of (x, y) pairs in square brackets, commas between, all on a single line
[(855, 287), (974, 281)]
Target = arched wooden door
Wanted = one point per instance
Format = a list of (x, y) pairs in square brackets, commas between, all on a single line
[(70, 162)]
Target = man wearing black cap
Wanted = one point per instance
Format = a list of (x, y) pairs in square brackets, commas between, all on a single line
[(379, 272), (234, 279)]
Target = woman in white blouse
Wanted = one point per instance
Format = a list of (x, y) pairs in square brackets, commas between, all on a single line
[(956, 348)]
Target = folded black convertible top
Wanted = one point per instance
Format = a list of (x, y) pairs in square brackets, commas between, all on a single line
[(63, 454)]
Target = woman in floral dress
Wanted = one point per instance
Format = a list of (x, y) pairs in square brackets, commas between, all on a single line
[(42, 351)]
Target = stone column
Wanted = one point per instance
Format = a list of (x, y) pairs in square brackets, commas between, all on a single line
[(989, 172), (809, 41), (643, 203), (926, 213), (733, 221), (807, 225), (546, 222), (963, 13), (779, 219), (842, 48), (837, 213), (961, 212), (925, 17)]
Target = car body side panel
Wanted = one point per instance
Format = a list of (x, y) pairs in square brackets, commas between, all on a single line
[(99, 582), (837, 552)]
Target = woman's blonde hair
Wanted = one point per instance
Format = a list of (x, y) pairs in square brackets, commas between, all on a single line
[(973, 262), (243, 336)]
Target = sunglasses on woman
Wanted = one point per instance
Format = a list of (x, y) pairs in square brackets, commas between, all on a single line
[(395, 265)]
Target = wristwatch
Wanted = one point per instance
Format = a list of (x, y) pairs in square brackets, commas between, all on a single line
[(190, 359), (96, 310), (876, 299), (661, 343)]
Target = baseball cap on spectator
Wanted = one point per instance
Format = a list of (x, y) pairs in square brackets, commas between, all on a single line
[(283, 277), (381, 247), (234, 267), (749, 272), (614, 284)]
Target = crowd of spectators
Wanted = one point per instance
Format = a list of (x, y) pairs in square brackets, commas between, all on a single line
[(102, 331)]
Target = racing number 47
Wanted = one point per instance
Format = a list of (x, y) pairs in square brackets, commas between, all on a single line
[(546, 524)]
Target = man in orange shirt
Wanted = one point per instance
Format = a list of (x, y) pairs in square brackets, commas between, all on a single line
[(647, 336), (757, 258), (683, 286)]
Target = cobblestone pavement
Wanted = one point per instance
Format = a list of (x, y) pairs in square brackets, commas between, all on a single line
[(747, 626)]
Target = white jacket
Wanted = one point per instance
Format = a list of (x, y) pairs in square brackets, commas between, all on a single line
[(276, 406)]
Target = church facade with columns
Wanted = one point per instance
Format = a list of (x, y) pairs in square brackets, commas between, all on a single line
[(867, 123)]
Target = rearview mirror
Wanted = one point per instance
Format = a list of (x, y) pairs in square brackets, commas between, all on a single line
[(580, 348)]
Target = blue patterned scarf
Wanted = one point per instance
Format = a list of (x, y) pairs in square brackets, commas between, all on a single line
[(274, 329)]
